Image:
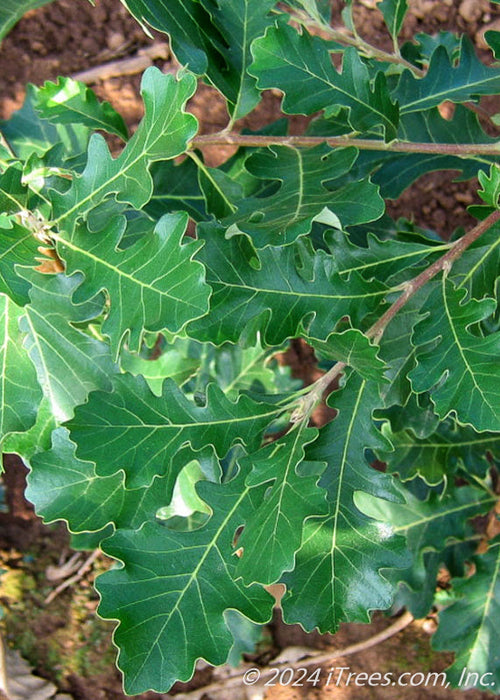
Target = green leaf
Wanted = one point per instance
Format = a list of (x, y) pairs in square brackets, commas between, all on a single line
[(398, 351), (163, 133), (212, 37), (69, 363), (11, 12), (36, 439), (65, 487), (236, 369), (163, 285), (445, 81), (317, 9), (428, 43), (71, 102), (273, 533), (394, 12), (19, 247), (460, 369), (493, 40), (13, 192), (429, 524), (27, 133), (417, 584), (166, 575), (300, 66), (274, 299), (469, 626), (219, 189), (354, 349), (311, 189), (20, 394), (185, 504), (246, 635), (176, 185), (395, 172), (442, 454), (477, 269), (337, 572), (378, 258), (174, 362), (490, 186), (134, 430)]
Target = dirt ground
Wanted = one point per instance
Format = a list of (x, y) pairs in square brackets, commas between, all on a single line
[(64, 640)]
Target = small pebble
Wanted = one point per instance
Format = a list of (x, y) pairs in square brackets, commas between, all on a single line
[(115, 40), (471, 10), (39, 47), (429, 626)]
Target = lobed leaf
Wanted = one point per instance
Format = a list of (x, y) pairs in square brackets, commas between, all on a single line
[(163, 133), (274, 299), (299, 65), (430, 525), (273, 532), (459, 368), (469, 626), (163, 285), (490, 186), (380, 259), (68, 362), (312, 188), (35, 439), (69, 101), (212, 37), (445, 81), (18, 247), (166, 575), (27, 133), (477, 269), (442, 454), (396, 172), (337, 571), (132, 429), (20, 394), (174, 362), (354, 349)]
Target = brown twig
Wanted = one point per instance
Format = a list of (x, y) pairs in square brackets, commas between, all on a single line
[(410, 288), (347, 38), (222, 138), (73, 579), (125, 66), (318, 658), (442, 263)]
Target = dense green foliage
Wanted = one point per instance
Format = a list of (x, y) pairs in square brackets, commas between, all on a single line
[(139, 375)]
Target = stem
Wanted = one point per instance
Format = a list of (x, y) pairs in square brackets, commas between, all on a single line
[(201, 165), (410, 288), (316, 658), (456, 149), (358, 42), (73, 579), (443, 263), (6, 145)]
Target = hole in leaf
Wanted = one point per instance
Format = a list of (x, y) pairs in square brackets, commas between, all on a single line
[(186, 511), (237, 535)]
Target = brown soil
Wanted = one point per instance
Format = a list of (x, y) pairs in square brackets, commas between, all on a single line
[(64, 640)]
